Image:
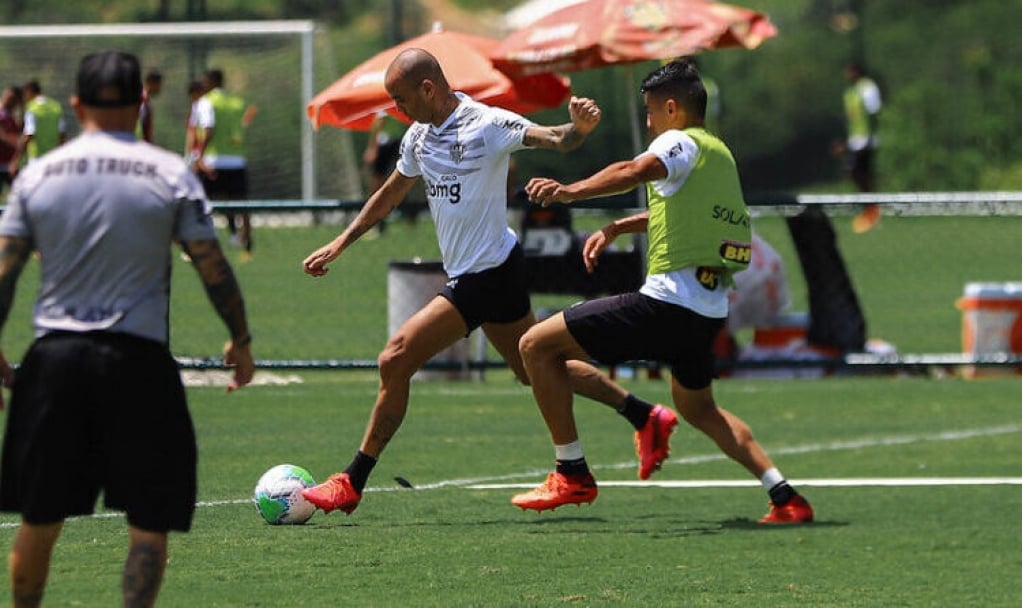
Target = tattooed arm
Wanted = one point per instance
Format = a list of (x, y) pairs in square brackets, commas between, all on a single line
[(225, 294), (585, 115), (14, 252)]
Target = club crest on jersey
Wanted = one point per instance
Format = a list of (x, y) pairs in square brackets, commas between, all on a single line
[(457, 152), (734, 251)]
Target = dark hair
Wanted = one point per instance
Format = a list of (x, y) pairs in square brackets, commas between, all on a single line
[(16, 93), (194, 87), (678, 80), (857, 66), (153, 77), (109, 79), (216, 77), (32, 86)]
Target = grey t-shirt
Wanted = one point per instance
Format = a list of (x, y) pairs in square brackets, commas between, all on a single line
[(102, 211)]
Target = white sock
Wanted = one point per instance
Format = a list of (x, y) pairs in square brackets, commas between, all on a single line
[(771, 478), (571, 451)]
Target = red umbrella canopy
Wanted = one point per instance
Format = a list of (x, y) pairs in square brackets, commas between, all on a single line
[(353, 101), (597, 33)]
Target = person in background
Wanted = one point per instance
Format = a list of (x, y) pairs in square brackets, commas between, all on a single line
[(44, 128), (699, 235), (221, 119), (97, 404), (382, 147), (460, 149), (862, 104), (192, 148), (10, 133), (151, 87), (380, 154)]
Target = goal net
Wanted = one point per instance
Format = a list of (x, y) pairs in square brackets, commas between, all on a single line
[(276, 66)]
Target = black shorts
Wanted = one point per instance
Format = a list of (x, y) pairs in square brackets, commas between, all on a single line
[(99, 411), (229, 184), (497, 295), (632, 327), (860, 163)]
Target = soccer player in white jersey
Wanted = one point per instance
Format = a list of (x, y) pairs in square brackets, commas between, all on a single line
[(97, 403), (461, 149)]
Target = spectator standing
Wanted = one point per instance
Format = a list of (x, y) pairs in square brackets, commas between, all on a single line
[(44, 128), (221, 119), (192, 144), (380, 154), (151, 87), (97, 404), (10, 133), (862, 104)]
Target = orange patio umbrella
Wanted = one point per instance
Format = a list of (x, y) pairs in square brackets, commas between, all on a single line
[(596, 33), (354, 100)]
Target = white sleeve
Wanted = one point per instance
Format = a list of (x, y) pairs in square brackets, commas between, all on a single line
[(204, 117), (29, 128), (406, 164), (870, 94), (679, 153), (506, 130)]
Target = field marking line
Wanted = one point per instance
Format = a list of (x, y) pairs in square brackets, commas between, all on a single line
[(856, 444), (818, 483), (488, 482)]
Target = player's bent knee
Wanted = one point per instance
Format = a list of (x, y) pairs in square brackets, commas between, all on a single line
[(531, 346)]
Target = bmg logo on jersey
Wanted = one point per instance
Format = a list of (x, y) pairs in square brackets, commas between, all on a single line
[(448, 187)]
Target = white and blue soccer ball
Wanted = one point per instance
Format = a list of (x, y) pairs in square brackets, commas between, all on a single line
[(278, 495)]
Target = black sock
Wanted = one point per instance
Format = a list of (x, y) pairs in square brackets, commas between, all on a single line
[(359, 469), (573, 468), (782, 493), (636, 411)]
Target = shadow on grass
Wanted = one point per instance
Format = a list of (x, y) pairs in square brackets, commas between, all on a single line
[(742, 523), (663, 525)]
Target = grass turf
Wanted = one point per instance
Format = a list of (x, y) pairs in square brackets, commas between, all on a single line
[(444, 544)]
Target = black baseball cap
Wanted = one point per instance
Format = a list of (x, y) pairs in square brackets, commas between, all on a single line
[(109, 79)]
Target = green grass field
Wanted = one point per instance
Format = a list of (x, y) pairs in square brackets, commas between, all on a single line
[(447, 544), (892, 464), (908, 273)]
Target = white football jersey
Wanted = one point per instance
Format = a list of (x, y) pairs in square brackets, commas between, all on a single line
[(464, 168)]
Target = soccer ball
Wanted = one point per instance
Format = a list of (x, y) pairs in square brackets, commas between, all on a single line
[(278, 495)]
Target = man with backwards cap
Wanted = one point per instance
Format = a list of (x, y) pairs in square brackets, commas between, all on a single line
[(97, 403)]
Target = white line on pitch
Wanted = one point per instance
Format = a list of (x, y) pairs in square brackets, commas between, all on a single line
[(819, 483), (481, 482), (855, 444)]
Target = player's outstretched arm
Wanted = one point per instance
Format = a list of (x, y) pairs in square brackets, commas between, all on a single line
[(615, 178), (225, 294), (380, 204), (585, 115)]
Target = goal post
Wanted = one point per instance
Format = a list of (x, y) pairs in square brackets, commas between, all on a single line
[(275, 65)]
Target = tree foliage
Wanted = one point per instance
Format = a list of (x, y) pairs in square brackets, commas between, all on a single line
[(950, 72)]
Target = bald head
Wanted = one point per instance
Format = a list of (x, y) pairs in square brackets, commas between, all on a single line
[(415, 65), (416, 83)]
